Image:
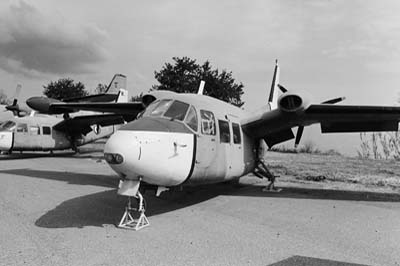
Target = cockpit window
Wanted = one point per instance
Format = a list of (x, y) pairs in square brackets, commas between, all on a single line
[(150, 108), (161, 107), (7, 126), (191, 118), (177, 110)]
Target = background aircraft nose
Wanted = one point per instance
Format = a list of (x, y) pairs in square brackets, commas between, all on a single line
[(6, 141)]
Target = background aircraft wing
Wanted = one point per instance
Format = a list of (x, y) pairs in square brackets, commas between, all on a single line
[(276, 126), (132, 108), (82, 124)]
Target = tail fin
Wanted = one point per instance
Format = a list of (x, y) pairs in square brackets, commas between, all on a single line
[(122, 96), (118, 82), (274, 92)]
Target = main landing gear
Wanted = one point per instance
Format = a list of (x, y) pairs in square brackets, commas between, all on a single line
[(128, 220), (262, 171)]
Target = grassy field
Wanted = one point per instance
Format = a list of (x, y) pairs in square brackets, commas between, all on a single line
[(335, 171)]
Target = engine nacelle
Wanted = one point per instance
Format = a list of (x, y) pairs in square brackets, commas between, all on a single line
[(292, 102), (42, 104)]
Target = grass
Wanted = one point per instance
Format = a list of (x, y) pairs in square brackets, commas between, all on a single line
[(308, 147), (334, 169)]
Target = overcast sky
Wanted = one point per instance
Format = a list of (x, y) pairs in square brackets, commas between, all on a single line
[(327, 48)]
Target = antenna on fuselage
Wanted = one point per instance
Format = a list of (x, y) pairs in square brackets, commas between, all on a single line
[(201, 87), (273, 94)]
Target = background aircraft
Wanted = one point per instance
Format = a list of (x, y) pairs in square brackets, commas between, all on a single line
[(13, 109), (191, 139), (62, 130)]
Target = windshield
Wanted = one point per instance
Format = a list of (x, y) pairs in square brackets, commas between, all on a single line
[(160, 108), (7, 126), (173, 110)]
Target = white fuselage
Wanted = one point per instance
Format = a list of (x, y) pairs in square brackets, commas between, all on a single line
[(160, 148), (36, 133)]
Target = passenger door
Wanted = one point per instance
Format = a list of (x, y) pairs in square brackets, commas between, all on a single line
[(235, 155), (206, 149)]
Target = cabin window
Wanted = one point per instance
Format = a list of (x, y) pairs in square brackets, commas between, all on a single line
[(236, 133), (224, 133), (46, 131), (7, 126), (191, 118), (23, 128), (161, 107), (35, 130), (207, 122), (177, 110)]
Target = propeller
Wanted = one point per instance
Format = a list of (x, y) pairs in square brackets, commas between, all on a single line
[(334, 100), (283, 89), (300, 129), (14, 107)]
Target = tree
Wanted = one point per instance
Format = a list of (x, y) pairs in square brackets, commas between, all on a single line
[(185, 74), (137, 98), (101, 88), (64, 88), (4, 98)]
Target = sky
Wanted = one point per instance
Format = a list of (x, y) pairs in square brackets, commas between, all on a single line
[(326, 48)]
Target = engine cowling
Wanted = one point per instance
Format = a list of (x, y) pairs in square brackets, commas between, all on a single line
[(292, 102), (42, 104)]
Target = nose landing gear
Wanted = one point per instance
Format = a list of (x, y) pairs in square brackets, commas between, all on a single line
[(128, 220)]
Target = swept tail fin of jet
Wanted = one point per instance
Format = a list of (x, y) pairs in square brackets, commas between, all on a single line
[(118, 82), (274, 92), (122, 96)]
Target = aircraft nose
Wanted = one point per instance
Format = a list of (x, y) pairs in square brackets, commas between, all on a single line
[(159, 158), (119, 147), (6, 141)]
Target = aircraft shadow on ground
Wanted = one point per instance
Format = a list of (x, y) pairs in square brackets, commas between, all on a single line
[(68, 177), (301, 260), (83, 153), (107, 207)]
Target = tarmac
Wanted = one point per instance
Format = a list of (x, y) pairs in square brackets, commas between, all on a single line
[(62, 210)]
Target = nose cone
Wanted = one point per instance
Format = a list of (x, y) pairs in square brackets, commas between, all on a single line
[(158, 158), (6, 141)]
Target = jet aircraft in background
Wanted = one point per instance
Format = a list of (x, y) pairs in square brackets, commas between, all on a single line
[(49, 131), (192, 139)]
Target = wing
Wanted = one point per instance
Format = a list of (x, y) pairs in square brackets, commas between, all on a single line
[(276, 126), (81, 124), (131, 109)]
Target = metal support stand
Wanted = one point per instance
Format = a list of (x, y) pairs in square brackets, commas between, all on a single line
[(128, 221), (262, 171)]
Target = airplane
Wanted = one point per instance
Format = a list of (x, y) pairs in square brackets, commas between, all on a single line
[(62, 130), (191, 139), (13, 109)]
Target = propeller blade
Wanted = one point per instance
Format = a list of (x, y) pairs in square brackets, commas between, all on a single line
[(335, 100), (283, 89), (300, 130)]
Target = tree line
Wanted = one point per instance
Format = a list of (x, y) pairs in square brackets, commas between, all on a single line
[(183, 75)]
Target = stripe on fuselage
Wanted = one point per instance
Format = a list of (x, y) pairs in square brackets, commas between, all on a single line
[(193, 159)]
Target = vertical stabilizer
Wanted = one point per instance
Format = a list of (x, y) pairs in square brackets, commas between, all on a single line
[(122, 96), (273, 94), (118, 82)]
